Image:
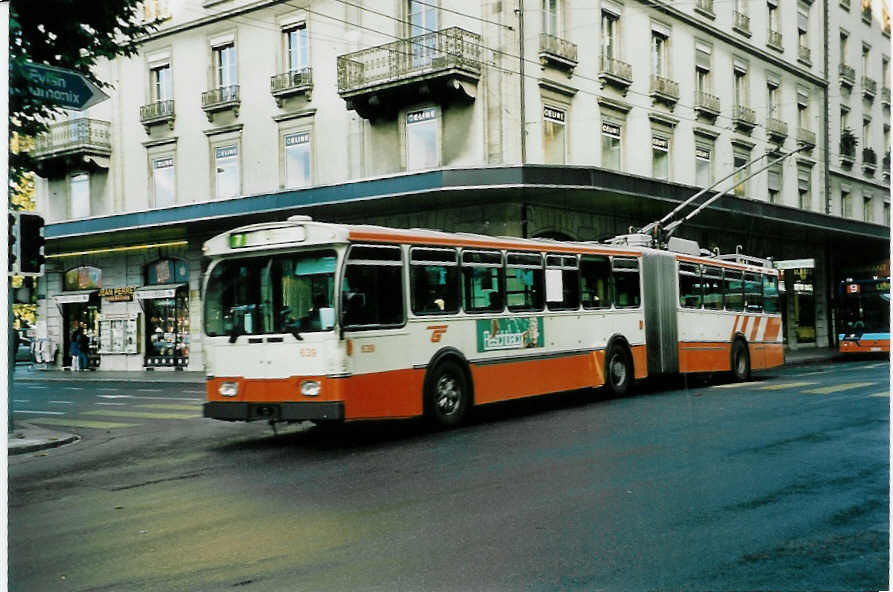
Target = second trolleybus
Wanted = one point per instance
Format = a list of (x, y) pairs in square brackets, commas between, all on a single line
[(305, 320)]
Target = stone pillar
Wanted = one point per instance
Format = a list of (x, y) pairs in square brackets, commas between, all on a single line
[(820, 287), (790, 312)]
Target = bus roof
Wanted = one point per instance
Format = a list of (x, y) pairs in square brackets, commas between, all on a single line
[(302, 231)]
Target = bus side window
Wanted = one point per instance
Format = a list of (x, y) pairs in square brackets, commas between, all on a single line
[(372, 290), (770, 294), (627, 292), (482, 281), (524, 281), (733, 289), (595, 281), (712, 280), (690, 288), (434, 281), (753, 292), (562, 282)]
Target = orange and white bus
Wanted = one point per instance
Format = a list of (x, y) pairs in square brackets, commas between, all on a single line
[(305, 320)]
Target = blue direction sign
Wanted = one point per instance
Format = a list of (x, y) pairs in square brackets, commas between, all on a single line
[(66, 88)]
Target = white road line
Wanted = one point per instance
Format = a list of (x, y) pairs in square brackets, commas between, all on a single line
[(114, 396), (63, 402), (33, 386), (150, 398), (75, 388), (39, 412), (21, 400), (110, 404), (148, 390)]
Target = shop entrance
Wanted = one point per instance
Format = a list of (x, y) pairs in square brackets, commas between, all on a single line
[(80, 302), (165, 302)]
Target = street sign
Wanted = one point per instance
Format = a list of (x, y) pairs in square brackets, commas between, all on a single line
[(66, 88)]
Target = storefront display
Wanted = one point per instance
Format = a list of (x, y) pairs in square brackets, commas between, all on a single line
[(80, 305), (165, 303), (119, 333)]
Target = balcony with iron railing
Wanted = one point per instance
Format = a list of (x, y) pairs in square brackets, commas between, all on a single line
[(885, 96), (558, 52), (869, 87), (777, 129), (616, 73), (847, 148), (804, 55), (69, 144), (291, 83), (706, 104), (705, 7), (775, 40), (744, 118), (806, 137), (157, 113), (741, 23), (847, 75), (443, 65), (885, 164), (221, 99), (664, 90)]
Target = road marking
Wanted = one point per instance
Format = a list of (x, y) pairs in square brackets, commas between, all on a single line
[(33, 386), (827, 390), (21, 400), (170, 407), (80, 423), (810, 373), (878, 365), (114, 396), (737, 384), (148, 390), (74, 388), (143, 414), (39, 412), (118, 404), (150, 398), (784, 385), (62, 402), (200, 392), (883, 394)]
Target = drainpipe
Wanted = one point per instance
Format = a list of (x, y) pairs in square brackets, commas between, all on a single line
[(521, 81), (826, 133)]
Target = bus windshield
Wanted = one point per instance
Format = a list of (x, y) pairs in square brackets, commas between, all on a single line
[(866, 307), (283, 293)]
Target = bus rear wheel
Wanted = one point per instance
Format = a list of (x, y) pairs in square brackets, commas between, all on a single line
[(618, 370), (447, 394), (740, 361)]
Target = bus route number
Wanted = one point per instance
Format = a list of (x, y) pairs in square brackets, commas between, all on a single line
[(308, 352)]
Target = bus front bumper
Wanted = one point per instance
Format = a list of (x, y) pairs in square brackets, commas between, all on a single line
[(236, 411)]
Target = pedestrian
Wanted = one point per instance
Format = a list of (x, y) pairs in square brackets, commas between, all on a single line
[(78, 348), (83, 350)]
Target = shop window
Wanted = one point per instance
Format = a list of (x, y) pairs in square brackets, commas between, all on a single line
[(610, 146), (166, 307), (422, 139), (80, 195), (554, 136), (297, 159), (703, 166), (739, 160), (226, 161), (660, 157), (164, 181)]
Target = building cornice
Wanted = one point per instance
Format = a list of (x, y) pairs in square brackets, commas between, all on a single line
[(206, 20), (862, 180)]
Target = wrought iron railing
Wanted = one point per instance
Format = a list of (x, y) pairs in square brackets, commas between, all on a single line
[(777, 127), (745, 115), (449, 48), (665, 86), (159, 110), (561, 48), (805, 136), (847, 74), (869, 157), (74, 134), (294, 79), (885, 95), (706, 101), (617, 68), (224, 95), (742, 22), (775, 39)]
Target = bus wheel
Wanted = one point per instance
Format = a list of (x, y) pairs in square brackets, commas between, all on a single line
[(618, 370), (740, 361), (447, 394)]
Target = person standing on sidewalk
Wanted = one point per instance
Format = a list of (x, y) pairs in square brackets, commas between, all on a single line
[(75, 348)]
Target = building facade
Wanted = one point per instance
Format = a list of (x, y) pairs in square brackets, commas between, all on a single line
[(561, 118)]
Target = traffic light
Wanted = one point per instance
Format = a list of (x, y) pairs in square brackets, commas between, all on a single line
[(13, 243), (31, 240)]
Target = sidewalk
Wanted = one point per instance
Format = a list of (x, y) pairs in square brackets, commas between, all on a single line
[(28, 438)]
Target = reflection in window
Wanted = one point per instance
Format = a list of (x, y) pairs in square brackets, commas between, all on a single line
[(297, 160), (226, 159), (422, 151), (163, 179)]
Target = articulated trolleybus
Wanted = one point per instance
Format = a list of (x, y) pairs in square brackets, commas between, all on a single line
[(312, 321)]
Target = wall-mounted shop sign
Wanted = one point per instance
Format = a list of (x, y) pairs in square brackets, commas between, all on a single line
[(124, 294), (553, 114)]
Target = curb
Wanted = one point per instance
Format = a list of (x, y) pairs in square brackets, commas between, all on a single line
[(34, 446)]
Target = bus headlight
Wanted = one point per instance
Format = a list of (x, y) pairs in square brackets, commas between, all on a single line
[(310, 388), (228, 389)]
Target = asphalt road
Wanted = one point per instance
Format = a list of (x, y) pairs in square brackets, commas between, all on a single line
[(778, 484)]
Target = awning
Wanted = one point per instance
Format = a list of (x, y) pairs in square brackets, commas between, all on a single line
[(73, 297), (158, 291)]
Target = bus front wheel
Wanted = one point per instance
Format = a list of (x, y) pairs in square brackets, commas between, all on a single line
[(740, 361), (447, 394), (618, 370)]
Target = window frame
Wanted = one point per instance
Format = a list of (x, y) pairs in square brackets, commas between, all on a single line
[(563, 265), (697, 275), (615, 269), (433, 263), (400, 264), (465, 287), (437, 126), (609, 288), (539, 279)]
